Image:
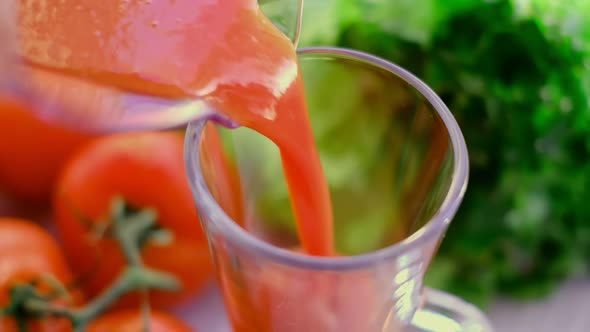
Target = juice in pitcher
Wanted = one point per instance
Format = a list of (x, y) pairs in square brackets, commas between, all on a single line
[(227, 54)]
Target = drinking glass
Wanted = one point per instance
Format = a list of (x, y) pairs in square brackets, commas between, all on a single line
[(397, 166), (92, 106)]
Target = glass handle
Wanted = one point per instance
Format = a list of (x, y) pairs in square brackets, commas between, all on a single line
[(442, 312), (286, 15)]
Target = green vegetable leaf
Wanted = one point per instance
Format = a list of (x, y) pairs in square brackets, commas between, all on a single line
[(515, 73)]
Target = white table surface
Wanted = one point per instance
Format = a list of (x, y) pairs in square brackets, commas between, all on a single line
[(566, 311)]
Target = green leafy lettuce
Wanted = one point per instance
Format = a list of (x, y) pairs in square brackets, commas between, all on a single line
[(516, 75)]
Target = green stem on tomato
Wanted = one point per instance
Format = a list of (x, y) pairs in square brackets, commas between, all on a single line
[(22, 325), (42, 308), (59, 290), (130, 231), (136, 226), (14, 308), (132, 279)]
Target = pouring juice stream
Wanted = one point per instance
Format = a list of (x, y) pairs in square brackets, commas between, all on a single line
[(223, 52)]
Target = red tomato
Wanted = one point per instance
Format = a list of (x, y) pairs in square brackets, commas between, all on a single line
[(147, 170), (26, 252), (133, 321), (32, 152)]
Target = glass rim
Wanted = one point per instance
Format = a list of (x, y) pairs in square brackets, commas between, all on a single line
[(209, 208)]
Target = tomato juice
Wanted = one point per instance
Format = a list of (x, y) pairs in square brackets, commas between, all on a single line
[(223, 52), (226, 53)]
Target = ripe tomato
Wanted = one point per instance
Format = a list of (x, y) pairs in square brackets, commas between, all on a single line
[(26, 252), (132, 321), (147, 170), (32, 152)]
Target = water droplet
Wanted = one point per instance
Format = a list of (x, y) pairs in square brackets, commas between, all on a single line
[(79, 7), (154, 23), (97, 33), (148, 1), (179, 20)]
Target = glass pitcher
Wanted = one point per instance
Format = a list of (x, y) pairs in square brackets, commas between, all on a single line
[(96, 105)]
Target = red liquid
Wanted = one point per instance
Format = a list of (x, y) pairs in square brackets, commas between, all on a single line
[(225, 52)]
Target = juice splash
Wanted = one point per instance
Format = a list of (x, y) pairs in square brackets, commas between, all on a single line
[(223, 52)]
